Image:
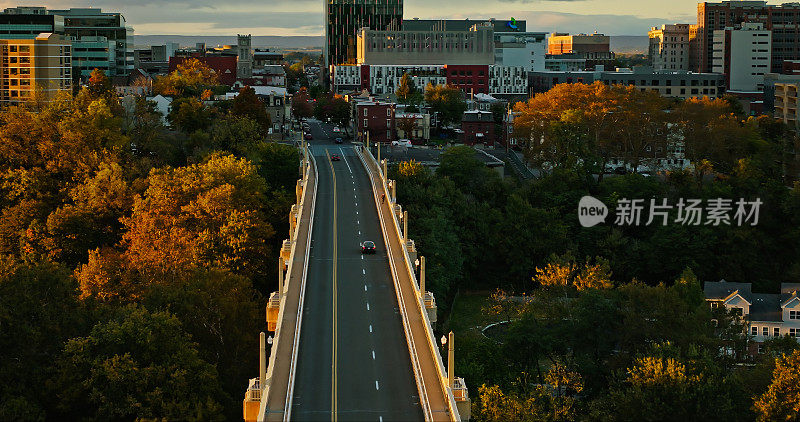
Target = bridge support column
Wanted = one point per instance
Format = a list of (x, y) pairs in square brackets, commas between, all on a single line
[(394, 191), (385, 175)]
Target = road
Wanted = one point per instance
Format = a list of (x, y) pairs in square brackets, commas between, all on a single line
[(353, 361)]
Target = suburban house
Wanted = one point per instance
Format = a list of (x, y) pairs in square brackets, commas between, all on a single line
[(377, 119), (768, 315), (478, 127)]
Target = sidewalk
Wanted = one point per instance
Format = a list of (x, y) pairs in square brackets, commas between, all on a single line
[(281, 367)]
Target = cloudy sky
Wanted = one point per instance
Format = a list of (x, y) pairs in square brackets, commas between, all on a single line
[(304, 17)]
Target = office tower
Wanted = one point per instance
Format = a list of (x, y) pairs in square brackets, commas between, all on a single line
[(345, 18)]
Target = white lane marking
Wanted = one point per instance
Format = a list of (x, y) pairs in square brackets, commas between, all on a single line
[(359, 232), (365, 287), (367, 305), (357, 222), (356, 212), (370, 328), (345, 161), (376, 385), (363, 271), (380, 418), (356, 203), (362, 257), (373, 355)]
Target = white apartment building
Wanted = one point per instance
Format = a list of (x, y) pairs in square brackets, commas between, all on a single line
[(744, 54), (385, 79), (669, 47), (509, 80)]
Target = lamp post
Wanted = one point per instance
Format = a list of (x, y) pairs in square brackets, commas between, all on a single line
[(450, 341)]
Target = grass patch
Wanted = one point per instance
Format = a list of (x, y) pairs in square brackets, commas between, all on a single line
[(467, 317)]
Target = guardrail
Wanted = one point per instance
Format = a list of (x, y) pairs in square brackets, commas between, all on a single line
[(441, 371)]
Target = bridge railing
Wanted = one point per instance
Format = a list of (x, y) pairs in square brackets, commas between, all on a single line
[(260, 390), (371, 164)]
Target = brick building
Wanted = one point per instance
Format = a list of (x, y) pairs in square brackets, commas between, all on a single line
[(377, 119), (783, 20), (478, 127)]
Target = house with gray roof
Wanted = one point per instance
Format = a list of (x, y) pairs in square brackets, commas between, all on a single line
[(768, 315)]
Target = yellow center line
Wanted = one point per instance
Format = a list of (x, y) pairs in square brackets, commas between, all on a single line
[(334, 366)]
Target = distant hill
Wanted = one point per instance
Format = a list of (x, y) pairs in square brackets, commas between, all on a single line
[(275, 42), (629, 43)]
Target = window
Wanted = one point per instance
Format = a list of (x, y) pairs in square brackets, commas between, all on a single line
[(388, 112), (365, 112), (794, 332), (765, 331), (794, 314), (754, 330), (366, 122), (776, 332)]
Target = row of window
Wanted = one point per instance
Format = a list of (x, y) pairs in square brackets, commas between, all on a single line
[(776, 331)]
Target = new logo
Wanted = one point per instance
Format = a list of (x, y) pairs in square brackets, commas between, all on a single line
[(591, 211)]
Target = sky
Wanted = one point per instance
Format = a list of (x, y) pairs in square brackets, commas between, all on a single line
[(304, 17)]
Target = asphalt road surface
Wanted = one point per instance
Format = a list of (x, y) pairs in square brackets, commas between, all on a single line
[(353, 361)]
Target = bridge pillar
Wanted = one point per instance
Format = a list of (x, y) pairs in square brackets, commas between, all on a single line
[(292, 221), (422, 276), (394, 191), (298, 191), (280, 278), (385, 175)]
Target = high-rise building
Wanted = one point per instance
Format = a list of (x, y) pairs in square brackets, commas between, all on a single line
[(345, 18), (34, 69), (743, 54), (783, 20), (100, 40), (670, 47)]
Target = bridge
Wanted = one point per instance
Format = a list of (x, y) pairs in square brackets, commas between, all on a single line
[(350, 336)]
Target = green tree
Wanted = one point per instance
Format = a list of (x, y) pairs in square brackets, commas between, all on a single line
[(192, 78), (247, 104), (189, 115), (446, 100), (407, 92), (137, 365)]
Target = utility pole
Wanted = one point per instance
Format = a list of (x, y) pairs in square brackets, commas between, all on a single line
[(422, 278), (262, 361)]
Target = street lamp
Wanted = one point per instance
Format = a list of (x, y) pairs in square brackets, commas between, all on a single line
[(444, 340)]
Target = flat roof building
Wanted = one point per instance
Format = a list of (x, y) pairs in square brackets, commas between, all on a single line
[(474, 46), (670, 47), (345, 18), (34, 69)]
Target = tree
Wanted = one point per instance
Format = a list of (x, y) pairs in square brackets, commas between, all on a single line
[(190, 78), (208, 215), (301, 105), (407, 92), (407, 125), (39, 311), (189, 115), (138, 365), (247, 104), (781, 401), (446, 100)]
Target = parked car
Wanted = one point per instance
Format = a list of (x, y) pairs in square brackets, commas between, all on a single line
[(368, 247), (335, 157), (402, 143), (339, 140), (308, 137), (336, 129)]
